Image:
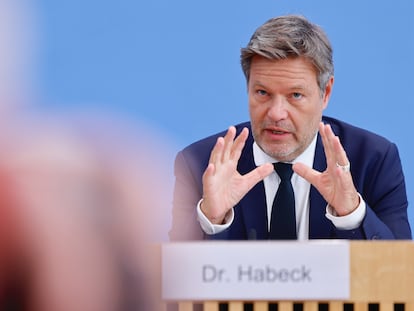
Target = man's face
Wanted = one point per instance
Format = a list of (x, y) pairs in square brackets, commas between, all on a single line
[(285, 105)]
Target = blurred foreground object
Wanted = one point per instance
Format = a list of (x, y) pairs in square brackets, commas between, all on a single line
[(80, 206)]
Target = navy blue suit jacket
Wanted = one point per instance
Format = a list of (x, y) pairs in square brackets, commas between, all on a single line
[(376, 171)]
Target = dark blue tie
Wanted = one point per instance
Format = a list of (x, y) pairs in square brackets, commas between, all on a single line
[(283, 219)]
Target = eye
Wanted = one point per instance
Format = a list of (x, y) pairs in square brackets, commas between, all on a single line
[(296, 95), (261, 92)]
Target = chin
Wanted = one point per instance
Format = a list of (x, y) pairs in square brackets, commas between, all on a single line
[(282, 156)]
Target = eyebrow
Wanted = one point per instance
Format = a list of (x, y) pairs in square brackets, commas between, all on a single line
[(258, 84), (298, 87)]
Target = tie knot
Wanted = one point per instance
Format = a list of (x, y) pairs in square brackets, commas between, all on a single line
[(284, 170)]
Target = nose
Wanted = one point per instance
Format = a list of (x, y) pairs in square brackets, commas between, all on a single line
[(278, 108)]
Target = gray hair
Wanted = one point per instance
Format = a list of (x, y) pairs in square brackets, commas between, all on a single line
[(291, 36)]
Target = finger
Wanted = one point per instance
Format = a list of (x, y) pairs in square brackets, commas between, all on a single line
[(258, 174), (228, 143), (239, 144), (217, 151), (209, 172), (333, 148), (338, 156), (341, 157), (325, 140), (330, 137)]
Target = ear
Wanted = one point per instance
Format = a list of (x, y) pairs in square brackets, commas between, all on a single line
[(328, 92)]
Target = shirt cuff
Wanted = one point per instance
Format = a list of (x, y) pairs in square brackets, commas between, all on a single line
[(350, 221), (210, 228)]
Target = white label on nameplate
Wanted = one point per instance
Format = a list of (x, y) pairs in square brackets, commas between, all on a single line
[(246, 270)]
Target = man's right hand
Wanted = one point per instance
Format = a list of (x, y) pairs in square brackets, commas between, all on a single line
[(223, 186)]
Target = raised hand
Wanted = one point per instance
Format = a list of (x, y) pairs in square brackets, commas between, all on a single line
[(335, 183), (223, 185)]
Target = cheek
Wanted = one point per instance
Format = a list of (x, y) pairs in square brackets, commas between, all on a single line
[(306, 119), (309, 122), (254, 108)]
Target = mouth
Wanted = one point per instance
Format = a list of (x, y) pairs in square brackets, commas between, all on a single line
[(277, 131), (277, 135)]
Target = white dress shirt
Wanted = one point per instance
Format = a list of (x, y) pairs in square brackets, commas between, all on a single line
[(301, 189)]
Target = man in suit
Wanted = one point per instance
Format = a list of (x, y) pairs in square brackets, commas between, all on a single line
[(348, 183)]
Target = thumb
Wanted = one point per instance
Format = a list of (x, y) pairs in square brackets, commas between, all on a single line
[(306, 172), (258, 174)]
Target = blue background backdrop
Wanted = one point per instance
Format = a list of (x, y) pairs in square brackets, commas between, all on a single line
[(175, 64)]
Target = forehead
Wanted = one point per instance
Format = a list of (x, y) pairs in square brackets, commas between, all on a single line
[(297, 70)]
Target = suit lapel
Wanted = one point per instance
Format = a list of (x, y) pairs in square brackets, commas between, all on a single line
[(253, 205), (319, 226)]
